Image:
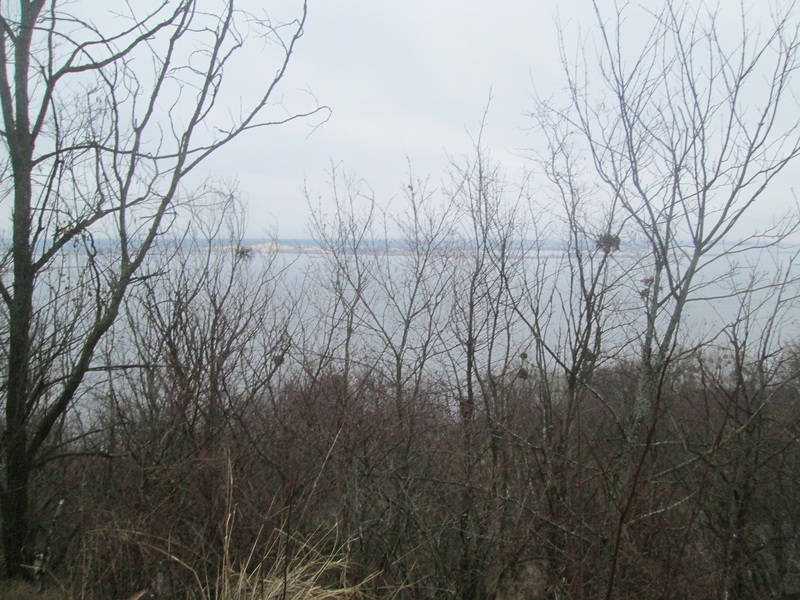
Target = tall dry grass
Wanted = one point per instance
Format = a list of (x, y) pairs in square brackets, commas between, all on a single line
[(290, 569)]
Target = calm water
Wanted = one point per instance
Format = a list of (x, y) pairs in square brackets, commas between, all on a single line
[(396, 303)]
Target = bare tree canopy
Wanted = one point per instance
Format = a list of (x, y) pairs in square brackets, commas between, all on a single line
[(683, 135), (103, 118)]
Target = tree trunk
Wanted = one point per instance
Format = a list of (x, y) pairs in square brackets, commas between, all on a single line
[(18, 463), (14, 497), (15, 513)]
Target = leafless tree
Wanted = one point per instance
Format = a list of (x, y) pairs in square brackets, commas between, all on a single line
[(345, 275), (685, 134), (484, 337), (103, 121)]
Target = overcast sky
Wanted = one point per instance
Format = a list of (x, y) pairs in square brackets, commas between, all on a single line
[(407, 81)]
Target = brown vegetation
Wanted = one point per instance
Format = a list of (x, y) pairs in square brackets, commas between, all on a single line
[(455, 413)]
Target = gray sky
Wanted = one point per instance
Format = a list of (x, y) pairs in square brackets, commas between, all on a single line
[(405, 80), (410, 81)]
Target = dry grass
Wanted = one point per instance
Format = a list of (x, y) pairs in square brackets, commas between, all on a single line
[(309, 574), (292, 569), (286, 567), (312, 571), (17, 590)]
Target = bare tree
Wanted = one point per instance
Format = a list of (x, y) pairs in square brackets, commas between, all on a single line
[(685, 134), (102, 124), (484, 335), (346, 275)]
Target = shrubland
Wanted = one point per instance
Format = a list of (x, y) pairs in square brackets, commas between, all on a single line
[(580, 386)]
